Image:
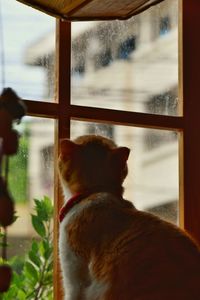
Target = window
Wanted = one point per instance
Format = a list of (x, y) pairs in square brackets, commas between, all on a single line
[(32, 177), (103, 104), (125, 67), (31, 174)]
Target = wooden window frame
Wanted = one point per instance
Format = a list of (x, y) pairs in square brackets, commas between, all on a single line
[(187, 124)]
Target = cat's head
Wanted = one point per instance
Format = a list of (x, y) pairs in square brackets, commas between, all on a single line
[(90, 162)]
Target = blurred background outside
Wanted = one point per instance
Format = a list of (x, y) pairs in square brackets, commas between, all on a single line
[(125, 65)]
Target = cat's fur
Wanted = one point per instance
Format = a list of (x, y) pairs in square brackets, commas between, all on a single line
[(108, 249)]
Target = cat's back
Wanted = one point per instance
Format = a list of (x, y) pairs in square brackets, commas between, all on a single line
[(137, 253), (105, 220), (99, 219), (156, 261)]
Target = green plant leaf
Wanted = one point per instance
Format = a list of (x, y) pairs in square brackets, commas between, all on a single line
[(40, 210), (34, 246), (35, 270), (48, 206), (50, 266), (21, 295), (18, 281), (34, 258), (30, 296), (11, 294), (31, 270), (47, 249), (41, 249), (44, 208), (38, 226)]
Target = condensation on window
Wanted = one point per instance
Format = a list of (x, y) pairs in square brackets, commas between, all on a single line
[(128, 65), (31, 177), (153, 181), (27, 51)]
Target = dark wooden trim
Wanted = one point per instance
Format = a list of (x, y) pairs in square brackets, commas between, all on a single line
[(69, 16), (42, 109), (74, 10), (131, 14), (93, 18), (191, 111), (126, 118), (64, 76), (42, 8), (63, 87), (65, 111)]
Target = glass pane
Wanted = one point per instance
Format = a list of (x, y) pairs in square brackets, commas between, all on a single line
[(31, 177), (152, 182), (27, 51), (128, 65)]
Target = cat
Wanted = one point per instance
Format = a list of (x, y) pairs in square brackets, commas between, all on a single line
[(108, 249)]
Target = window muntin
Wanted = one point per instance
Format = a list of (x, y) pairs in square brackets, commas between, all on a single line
[(124, 65)]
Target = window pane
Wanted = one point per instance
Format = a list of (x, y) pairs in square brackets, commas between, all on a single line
[(26, 48), (31, 178), (128, 65), (152, 182)]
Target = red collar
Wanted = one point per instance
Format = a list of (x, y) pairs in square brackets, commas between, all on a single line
[(77, 198), (70, 203)]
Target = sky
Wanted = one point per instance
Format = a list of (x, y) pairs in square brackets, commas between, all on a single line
[(20, 27)]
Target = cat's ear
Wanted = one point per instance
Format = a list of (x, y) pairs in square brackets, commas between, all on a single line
[(67, 147), (120, 155)]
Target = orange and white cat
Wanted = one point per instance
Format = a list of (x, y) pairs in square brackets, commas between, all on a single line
[(108, 249)]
